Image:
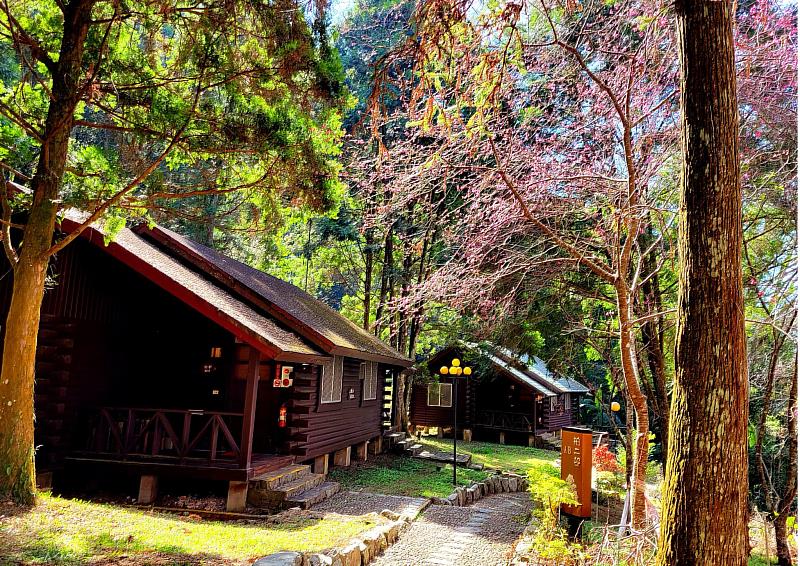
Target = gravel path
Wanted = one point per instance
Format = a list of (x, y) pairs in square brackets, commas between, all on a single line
[(479, 535), (361, 503)]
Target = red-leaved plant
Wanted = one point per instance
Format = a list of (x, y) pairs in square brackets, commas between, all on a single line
[(605, 460)]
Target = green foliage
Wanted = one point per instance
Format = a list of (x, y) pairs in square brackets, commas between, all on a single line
[(549, 491), (404, 476), (240, 100)]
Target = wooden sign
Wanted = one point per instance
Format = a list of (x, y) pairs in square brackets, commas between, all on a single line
[(576, 467)]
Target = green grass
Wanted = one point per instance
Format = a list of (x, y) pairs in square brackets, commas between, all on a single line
[(397, 475), (518, 459), (64, 531)]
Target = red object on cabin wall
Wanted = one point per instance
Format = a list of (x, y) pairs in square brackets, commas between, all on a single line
[(282, 417)]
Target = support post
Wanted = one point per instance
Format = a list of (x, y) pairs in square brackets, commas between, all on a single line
[(249, 418), (321, 465), (361, 451), (467, 435), (342, 457), (237, 496), (531, 440), (376, 445), (148, 489), (502, 437)]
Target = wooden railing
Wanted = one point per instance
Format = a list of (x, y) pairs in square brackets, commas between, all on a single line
[(166, 433), (504, 420)]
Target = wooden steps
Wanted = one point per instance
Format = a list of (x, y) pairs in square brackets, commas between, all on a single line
[(290, 486)]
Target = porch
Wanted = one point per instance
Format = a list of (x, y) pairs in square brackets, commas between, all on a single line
[(203, 444)]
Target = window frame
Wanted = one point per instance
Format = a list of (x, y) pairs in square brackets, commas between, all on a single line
[(438, 403), (368, 375), (335, 365)]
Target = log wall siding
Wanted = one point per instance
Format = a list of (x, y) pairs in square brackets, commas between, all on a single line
[(316, 428), (423, 415)]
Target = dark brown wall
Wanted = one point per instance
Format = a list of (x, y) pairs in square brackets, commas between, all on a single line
[(423, 415), (322, 428)]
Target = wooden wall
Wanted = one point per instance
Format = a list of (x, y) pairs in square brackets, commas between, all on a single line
[(423, 415), (316, 428)]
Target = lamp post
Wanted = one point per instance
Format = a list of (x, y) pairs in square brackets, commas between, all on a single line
[(455, 370)]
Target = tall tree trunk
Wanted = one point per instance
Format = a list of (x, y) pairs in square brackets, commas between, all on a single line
[(653, 340), (705, 510), (386, 277), (369, 255), (17, 478), (790, 489), (627, 343)]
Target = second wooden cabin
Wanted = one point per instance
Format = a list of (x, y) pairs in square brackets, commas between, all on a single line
[(508, 396)]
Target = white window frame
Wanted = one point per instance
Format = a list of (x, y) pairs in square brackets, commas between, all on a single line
[(368, 373), (438, 387), (331, 374)]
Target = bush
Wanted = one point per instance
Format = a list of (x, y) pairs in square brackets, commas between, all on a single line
[(605, 460)]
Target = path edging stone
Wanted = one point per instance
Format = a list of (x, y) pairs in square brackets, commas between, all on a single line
[(360, 551), (504, 482)]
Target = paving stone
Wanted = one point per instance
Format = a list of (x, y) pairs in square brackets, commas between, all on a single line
[(281, 559)]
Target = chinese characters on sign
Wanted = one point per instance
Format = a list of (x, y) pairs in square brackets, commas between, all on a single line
[(576, 467)]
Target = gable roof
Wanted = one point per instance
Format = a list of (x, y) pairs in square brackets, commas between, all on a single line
[(248, 320), (309, 317), (531, 374)]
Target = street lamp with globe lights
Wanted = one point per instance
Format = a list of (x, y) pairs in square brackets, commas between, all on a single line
[(456, 371)]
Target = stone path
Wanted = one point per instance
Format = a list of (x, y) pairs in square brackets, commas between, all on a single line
[(361, 503), (479, 535)]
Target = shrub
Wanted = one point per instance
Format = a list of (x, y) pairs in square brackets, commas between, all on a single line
[(605, 460)]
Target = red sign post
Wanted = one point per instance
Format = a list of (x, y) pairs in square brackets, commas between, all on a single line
[(576, 467)]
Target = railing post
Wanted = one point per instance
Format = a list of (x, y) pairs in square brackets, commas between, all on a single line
[(249, 417), (183, 450)]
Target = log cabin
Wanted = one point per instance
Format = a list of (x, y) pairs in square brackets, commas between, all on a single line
[(158, 356), (507, 396)]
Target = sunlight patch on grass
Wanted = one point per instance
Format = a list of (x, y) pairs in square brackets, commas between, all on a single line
[(518, 459), (64, 531), (403, 476)]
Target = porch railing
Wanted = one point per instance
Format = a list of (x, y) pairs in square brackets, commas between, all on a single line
[(504, 420), (180, 434)]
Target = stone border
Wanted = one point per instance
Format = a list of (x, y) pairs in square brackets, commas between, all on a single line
[(359, 552), (498, 483)]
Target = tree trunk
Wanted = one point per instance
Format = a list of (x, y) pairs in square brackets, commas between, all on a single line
[(790, 489), (386, 277), (705, 509), (653, 340), (17, 478), (627, 342), (369, 254)]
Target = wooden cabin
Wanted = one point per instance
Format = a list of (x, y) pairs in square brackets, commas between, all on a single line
[(162, 357), (514, 397)]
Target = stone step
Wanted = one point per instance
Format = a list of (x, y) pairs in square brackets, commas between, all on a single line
[(275, 479), (313, 496), (393, 437), (414, 449), (275, 498)]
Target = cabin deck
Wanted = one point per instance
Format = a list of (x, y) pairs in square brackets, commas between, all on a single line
[(194, 468)]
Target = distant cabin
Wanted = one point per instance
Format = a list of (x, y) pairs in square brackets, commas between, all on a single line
[(513, 399), (160, 356)]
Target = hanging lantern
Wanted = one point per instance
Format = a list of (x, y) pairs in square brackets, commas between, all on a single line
[(615, 406)]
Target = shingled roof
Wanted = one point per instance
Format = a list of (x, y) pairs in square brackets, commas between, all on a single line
[(309, 317), (278, 318)]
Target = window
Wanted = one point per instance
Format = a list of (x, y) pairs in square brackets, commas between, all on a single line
[(368, 373), (440, 395), (557, 403), (330, 390)]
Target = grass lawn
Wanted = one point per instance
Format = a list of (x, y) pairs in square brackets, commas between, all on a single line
[(400, 475), (502, 456), (64, 531)]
